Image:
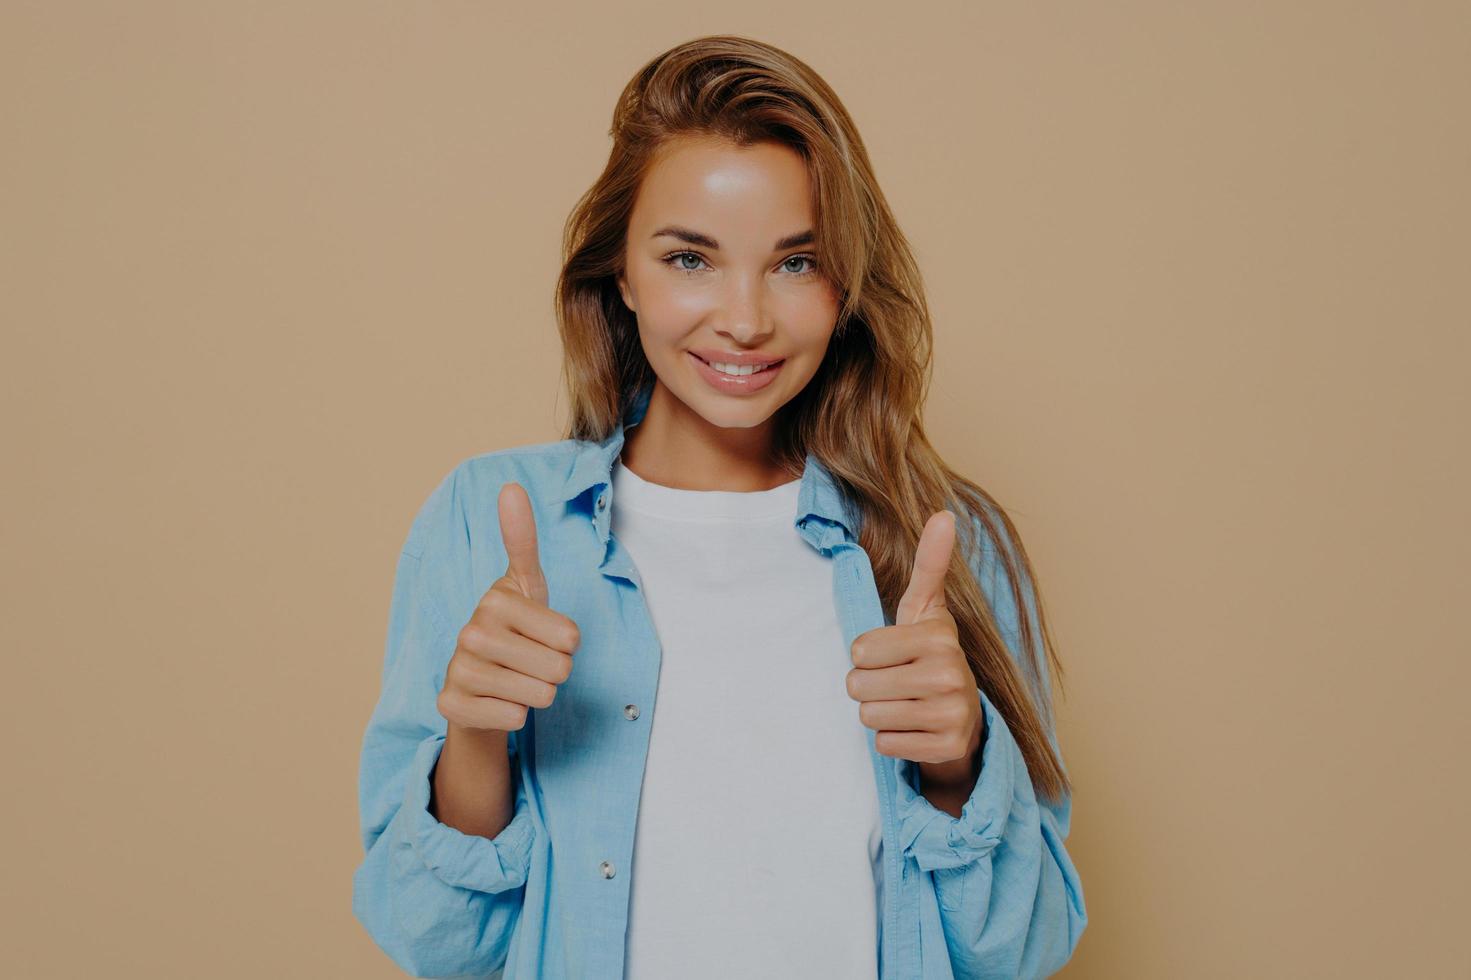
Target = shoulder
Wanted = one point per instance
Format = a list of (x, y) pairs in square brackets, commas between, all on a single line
[(472, 486), (455, 539), (538, 467)]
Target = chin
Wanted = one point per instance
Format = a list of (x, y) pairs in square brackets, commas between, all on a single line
[(734, 418), (729, 413)]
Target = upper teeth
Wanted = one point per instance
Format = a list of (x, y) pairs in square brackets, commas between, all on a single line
[(738, 369)]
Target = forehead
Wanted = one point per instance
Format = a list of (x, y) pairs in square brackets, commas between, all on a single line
[(718, 187)]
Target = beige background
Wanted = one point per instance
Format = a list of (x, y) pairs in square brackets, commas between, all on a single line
[(1200, 281)]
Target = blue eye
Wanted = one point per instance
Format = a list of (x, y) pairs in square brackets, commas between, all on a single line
[(673, 260)]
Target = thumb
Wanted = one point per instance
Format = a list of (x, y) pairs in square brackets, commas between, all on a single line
[(518, 533), (931, 563)]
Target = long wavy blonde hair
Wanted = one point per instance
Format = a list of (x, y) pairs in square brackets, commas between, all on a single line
[(861, 413)]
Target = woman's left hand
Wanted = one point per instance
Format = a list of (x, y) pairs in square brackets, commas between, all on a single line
[(912, 680)]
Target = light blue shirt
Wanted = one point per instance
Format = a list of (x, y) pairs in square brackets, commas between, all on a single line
[(990, 894)]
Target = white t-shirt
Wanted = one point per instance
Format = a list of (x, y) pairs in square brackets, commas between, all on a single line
[(758, 846)]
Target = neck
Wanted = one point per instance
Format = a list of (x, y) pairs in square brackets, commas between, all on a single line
[(676, 447)]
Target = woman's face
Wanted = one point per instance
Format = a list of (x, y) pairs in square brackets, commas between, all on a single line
[(719, 262)]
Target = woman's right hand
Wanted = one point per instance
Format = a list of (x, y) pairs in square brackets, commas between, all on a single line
[(515, 650)]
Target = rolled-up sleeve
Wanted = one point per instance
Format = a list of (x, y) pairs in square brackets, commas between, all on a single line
[(464, 860), (438, 902), (936, 839), (1011, 901)]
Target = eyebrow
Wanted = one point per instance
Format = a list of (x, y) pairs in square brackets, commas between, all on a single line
[(705, 241)]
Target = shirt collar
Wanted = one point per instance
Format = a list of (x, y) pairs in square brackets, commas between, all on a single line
[(592, 468)]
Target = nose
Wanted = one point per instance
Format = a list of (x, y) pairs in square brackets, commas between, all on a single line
[(745, 319)]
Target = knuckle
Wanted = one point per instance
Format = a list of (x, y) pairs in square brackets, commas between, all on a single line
[(472, 636), (518, 718), (495, 602), (446, 706), (945, 680), (962, 681), (938, 636)]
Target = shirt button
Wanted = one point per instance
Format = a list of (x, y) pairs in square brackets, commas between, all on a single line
[(602, 501), (607, 869), (630, 711)]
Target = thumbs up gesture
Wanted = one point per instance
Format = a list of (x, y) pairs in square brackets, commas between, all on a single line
[(515, 651), (912, 681)]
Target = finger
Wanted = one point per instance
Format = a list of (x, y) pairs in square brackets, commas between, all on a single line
[(485, 679), (518, 533), (916, 746), (481, 712), (900, 682), (530, 618), (931, 562), (910, 715), (512, 648), (889, 646)]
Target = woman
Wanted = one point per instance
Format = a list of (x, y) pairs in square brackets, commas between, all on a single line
[(854, 771)]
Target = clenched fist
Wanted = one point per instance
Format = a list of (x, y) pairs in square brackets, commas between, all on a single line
[(515, 650)]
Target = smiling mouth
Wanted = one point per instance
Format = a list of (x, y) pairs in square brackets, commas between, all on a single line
[(765, 367)]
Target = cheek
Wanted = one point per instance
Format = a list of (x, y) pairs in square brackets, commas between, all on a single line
[(668, 315), (663, 327), (816, 302), (813, 317)]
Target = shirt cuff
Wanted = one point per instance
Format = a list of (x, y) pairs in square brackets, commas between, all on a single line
[(459, 859), (934, 838)]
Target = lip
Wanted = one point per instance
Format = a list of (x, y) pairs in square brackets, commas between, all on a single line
[(733, 385), (710, 354)]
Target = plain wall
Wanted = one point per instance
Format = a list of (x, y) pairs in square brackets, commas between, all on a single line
[(1199, 280)]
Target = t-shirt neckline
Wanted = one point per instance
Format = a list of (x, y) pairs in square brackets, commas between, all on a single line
[(635, 493)]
